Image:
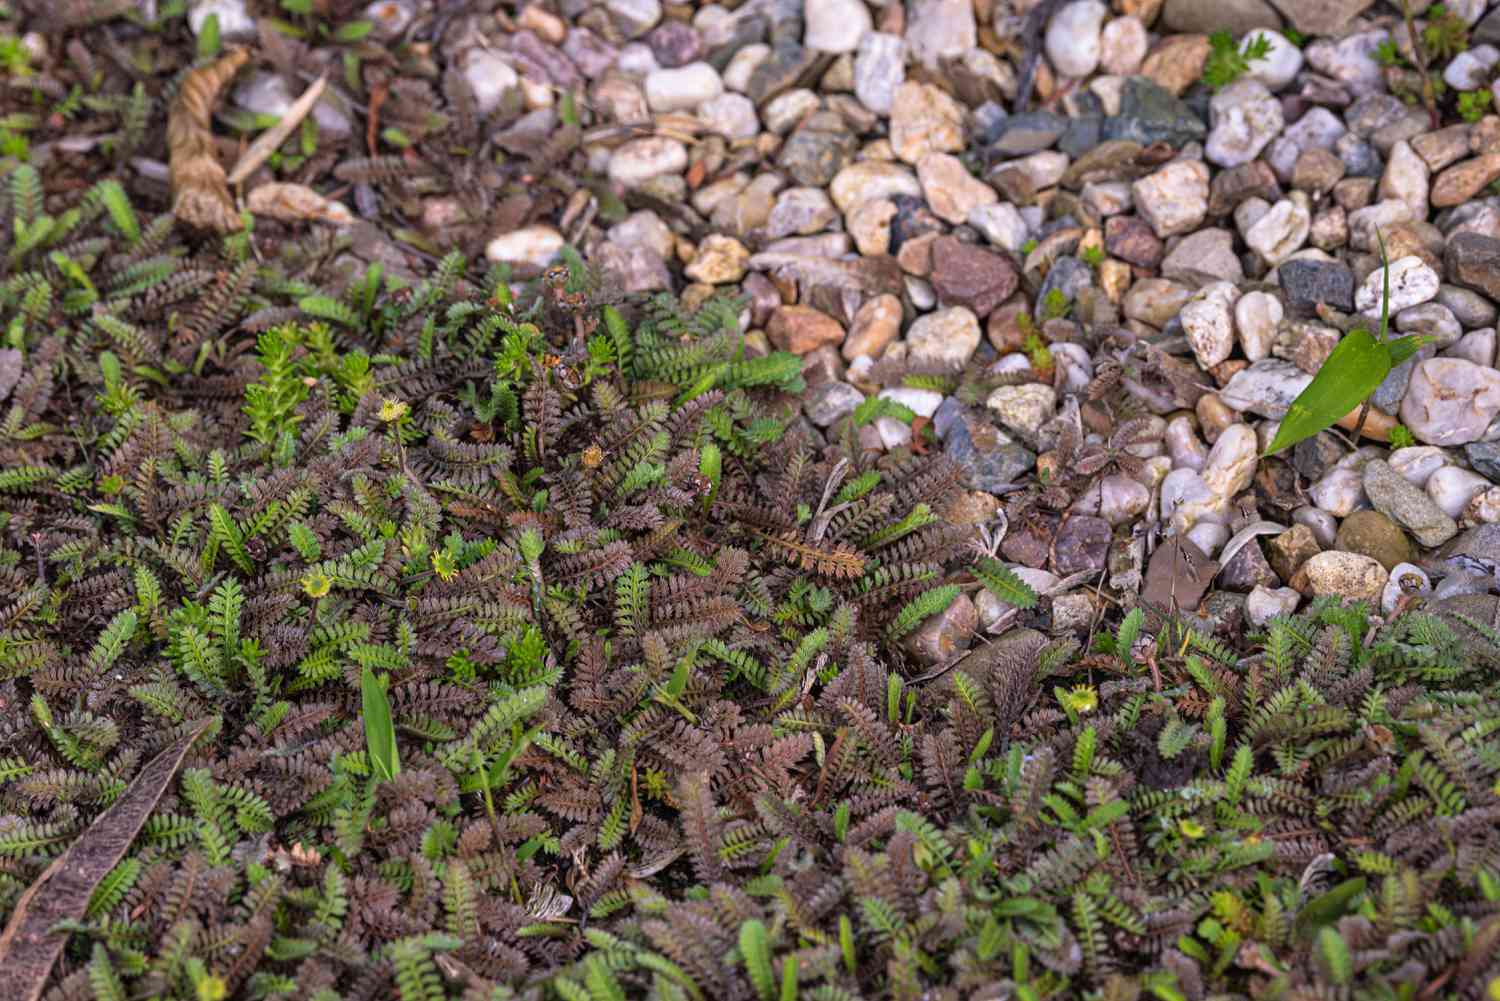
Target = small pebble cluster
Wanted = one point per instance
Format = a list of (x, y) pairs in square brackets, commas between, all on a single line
[(918, 183)]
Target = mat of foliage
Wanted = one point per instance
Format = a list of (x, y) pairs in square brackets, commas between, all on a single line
[(655, 729)]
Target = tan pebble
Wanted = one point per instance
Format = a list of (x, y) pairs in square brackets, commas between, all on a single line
[(801, 329), (1214, 416)]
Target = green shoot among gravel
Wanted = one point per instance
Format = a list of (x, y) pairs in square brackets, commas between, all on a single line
[(1227, 62), (1355, 369)]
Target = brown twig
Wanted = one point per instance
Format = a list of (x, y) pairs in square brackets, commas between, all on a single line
[(372, 126)]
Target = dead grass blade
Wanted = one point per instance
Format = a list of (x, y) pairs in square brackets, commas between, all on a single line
[(266, 143), (28, 947)]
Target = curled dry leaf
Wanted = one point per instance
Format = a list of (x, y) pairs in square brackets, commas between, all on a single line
[(200, 195), (296, 203), (1244, 535)]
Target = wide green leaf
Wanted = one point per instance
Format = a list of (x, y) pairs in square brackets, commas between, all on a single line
[(380, 729), (1355, 369), (1352, 372)]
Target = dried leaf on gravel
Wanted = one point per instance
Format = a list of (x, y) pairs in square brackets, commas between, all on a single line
[(1178, 576), (296, 203), (28, 947)]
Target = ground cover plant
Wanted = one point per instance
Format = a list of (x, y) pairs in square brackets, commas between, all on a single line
[(525, 648)]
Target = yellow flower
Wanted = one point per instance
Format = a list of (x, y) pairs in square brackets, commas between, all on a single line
[(444, 565), (212, 988), (1081, 699), (1191, 828), (392, 410), (316, 585)]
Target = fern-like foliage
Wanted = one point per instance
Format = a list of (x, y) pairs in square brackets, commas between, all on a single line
[(646, 653)]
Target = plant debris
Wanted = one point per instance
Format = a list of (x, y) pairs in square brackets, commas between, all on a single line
[(29, 945), (200, 192)]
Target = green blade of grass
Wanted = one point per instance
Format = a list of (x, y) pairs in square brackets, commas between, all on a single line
[(380, 730), (1352, 372)]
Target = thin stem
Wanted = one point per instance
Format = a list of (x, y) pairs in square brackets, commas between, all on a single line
[(1429, 93)]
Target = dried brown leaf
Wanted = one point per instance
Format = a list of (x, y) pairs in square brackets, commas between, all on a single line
[(200, 192), (28, 946), (296, 203)]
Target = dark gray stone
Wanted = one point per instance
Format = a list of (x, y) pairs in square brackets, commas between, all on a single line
[(1312, 457), (1083, 134), (1481, 542), (1150, 113), (1471, 309), (1359, 157), (1068, 275), (819, 148), (1392, 389), (949, 414), (1082, 104), (1487, 31), (749, 30), (1484, 456), (1372, 112), (789, 65), (912, 219), (1307, 283), (1234, 16), (1407, 504), (1029, 132), (988, 122), (1321, 17), (1473, 261), (1246, 569), (991, 464), (1462, 582)]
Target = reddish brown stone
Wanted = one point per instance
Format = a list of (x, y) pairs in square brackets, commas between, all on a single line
[(1082, 543), (966, 275), (1131, 239), (801, 329), (1230, 187)]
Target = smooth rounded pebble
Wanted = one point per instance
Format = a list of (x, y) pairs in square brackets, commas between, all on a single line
[(1348, 575)]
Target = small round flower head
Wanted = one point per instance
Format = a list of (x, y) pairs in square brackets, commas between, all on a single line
[(316, 585), (592, 457), (1081, 699), (443, 564), (392, 410)]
